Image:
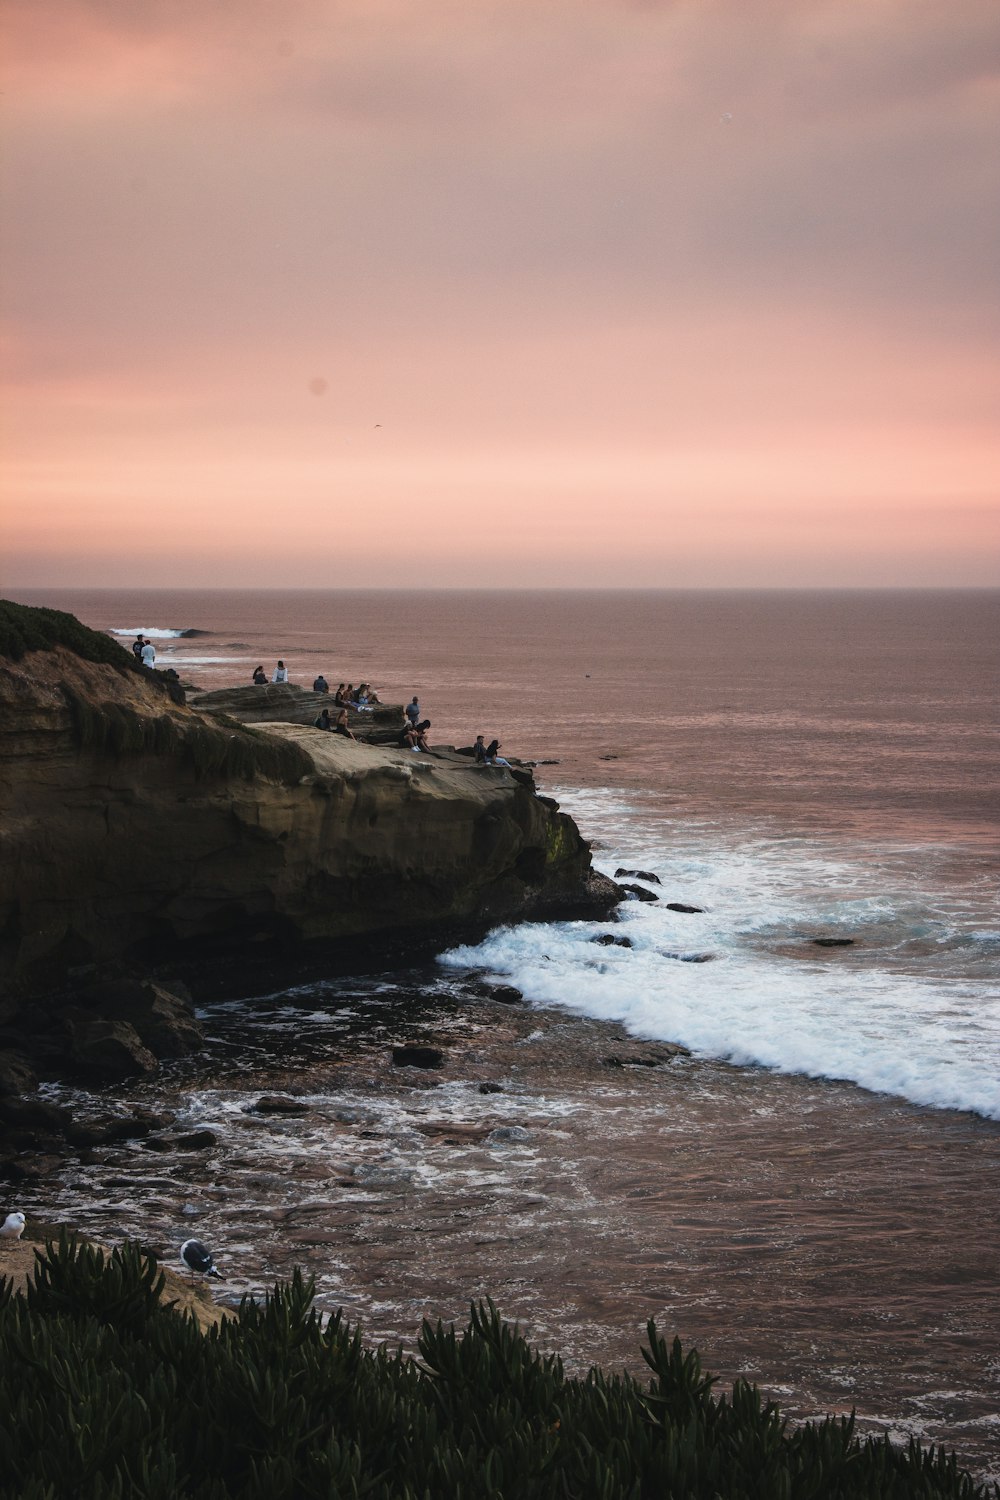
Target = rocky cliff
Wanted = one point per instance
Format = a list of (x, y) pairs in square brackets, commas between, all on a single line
[(139, 834)]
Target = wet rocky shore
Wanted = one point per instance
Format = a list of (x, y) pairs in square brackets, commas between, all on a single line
[(417, 1140)]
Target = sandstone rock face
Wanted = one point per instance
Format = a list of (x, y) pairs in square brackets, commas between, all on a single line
[(138, 831)]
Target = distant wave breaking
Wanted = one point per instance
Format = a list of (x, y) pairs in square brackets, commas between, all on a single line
[(156, 632)]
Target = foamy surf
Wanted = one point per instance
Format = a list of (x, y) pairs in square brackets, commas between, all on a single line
[(155, 632), (899, 996)]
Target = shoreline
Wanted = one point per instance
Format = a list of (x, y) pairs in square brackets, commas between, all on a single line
[(798, 1232)]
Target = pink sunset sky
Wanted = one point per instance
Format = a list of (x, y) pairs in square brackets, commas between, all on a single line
[(500, 292)]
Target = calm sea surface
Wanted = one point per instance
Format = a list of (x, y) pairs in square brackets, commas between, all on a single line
[(821, 1216)]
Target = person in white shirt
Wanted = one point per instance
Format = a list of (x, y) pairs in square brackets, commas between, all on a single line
[(148, 654), (280, 673)]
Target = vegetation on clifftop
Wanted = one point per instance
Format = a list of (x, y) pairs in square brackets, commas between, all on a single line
[(224, 748), (108, 1392), (24, 628)]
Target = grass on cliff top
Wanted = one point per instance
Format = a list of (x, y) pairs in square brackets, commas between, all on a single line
[(24, 628), (110, 1392), (225, 749)]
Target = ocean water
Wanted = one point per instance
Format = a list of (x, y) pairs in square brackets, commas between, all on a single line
[(798, 765)]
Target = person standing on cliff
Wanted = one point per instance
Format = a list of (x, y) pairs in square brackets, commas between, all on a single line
[(412, 710), (137, 646), (280, 673), (149, 655)]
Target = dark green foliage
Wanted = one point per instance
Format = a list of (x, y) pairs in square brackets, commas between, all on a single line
[(24, 628), (107, 1392), (226, 748)]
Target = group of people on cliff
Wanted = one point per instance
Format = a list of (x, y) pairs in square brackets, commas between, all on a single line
[(363, 697), (412, 735)]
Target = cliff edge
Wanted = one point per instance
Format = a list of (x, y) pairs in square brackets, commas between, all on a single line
[(140, 833)]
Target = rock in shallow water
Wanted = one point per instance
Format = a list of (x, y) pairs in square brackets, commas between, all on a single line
[(413, 1056), (277, 1104), (640, 893)]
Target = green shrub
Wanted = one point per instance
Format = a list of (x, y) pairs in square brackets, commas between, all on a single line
[(107, 1391), (24, 628)]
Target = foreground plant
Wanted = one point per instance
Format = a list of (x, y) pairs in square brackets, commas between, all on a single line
[(108, 1392)]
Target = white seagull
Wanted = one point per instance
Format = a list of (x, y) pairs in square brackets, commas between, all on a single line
[(198, 1259), (12, 1227)]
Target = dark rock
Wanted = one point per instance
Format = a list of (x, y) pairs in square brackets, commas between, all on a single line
[(277, 1104), (658, 1059), (680, 906), (412, 1056), (608, 757), (145, 1119), (35, 1114), (196, 1140), (833, 942), (16, 1075), (506, 994), (107, 1050), (640, 893), (490, 1088), (163, 1016), (640, 875), (608, 940)]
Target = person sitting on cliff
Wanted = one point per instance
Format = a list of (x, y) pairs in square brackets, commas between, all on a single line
[(370, 694), (321, 685), (340, 696), (414, 736), (259, 675), (280, 673), (341, 726), (479, 749), (492, 758), (323, 722), (361, 700)]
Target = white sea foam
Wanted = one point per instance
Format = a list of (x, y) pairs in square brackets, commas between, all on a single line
[(179, 659), (912, 1008), (154, 632)]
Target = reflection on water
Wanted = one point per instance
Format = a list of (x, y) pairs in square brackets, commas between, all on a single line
[(836, 1246)]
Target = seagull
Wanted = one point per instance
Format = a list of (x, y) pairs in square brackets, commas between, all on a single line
[(198, 1258), (12, 1227)]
